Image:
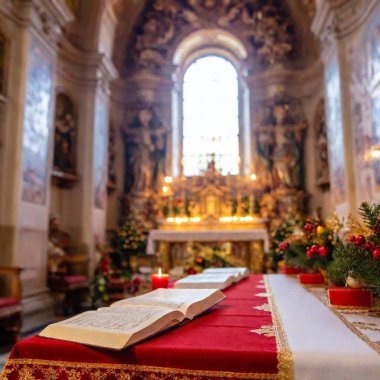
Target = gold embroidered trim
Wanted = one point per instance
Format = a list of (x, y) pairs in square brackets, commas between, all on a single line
[(285, 357), (354, 329), (29, 368), (264, 307), (266, 330), (263, 295), (367, 326)]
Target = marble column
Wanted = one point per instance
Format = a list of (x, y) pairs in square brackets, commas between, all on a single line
[(335, 23)]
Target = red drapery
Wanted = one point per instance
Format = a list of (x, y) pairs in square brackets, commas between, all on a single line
[(240, 338)]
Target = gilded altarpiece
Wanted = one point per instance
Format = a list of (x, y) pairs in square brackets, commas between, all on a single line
[(37, 125)]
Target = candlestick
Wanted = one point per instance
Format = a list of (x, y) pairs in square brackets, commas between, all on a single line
[(160, 280)]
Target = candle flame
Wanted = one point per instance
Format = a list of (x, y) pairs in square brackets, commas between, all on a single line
[(159, 272)]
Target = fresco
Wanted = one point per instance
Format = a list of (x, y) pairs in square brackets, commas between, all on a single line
[(37, 125), (100, 153), (335, 134)]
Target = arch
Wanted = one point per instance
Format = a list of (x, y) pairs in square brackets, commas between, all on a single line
[(210, 42), (202, 43)]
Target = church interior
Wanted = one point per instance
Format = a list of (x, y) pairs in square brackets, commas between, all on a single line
[(144, 141)]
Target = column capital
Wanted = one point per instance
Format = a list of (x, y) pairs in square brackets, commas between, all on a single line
[(335, 19)]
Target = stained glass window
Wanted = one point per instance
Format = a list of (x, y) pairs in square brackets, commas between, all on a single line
[(210, 116)]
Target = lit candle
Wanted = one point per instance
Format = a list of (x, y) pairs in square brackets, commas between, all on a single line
[(160, 280)]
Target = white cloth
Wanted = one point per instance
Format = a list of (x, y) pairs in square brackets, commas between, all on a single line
[(323, 346), (206, 235)]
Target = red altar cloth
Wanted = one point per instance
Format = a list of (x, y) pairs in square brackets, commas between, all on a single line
[(225, 342)]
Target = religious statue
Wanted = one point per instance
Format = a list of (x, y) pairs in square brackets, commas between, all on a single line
[(58, 245), (286, 160), (146, 139), (65, 135)]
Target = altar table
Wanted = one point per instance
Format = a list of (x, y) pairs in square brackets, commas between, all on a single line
[(268, 327), (254, 236)]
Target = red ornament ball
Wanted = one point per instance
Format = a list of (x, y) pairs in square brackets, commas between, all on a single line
[(315, 248), (352, 238), (368, 246), (360, 240), (284, 246), (376, 253), (323, 251)]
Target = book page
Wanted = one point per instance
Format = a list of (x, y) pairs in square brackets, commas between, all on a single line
[(112, 328), (206, 281), (177, 299)]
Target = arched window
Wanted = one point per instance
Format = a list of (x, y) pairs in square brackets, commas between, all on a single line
[(210, 116)]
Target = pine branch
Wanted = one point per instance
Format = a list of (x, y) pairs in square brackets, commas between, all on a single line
[(371, 215)]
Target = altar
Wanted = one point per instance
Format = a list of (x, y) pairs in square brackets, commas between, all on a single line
[(256, 242), (210, 209)]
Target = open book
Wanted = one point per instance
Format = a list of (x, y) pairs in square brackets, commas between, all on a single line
[(131, 320), (238, 272), (213, 278), (206, 281)]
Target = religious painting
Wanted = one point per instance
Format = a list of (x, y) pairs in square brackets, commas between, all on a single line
[(37, 121), (100, 153), (2, 63), (112, 175), (322, 163), (65, 135), (335, 134)]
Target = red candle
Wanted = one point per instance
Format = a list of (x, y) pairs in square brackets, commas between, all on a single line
[(160, 280)]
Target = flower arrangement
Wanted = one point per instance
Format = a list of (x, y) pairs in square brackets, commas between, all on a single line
[(312, 246), (357, 258), (130, 240), (202, 256)]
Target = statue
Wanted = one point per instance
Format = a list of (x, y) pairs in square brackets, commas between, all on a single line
[(286, 160), (65, 135), (58, 245), (146, 138)]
